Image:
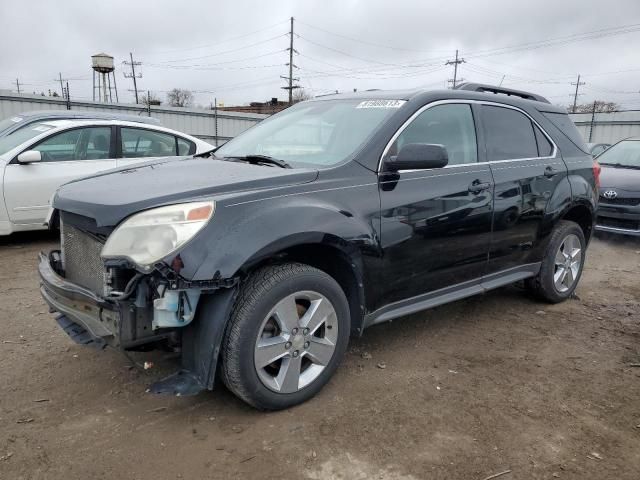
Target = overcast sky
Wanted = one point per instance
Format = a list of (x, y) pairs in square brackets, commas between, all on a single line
[(235, 50)]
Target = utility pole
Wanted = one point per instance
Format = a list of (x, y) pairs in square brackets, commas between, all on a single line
[(593, 118), (148, 103), (68, 98), (215, 115), (290, 78), (61, 85), (575, 96), (133, 74), (455, 64), (18, 85)]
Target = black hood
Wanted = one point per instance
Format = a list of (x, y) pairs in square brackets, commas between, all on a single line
[(109, 197), (623, 178)]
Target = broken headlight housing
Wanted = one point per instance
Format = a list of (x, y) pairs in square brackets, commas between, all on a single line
[(149, 236)]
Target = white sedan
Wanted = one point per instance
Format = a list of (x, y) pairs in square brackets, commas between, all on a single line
[(36, 160)]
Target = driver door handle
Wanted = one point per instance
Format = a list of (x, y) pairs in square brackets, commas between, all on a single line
[(477, 187)]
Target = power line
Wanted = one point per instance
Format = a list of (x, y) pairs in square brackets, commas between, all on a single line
[(364, 42), (244, 35), (217, 54), (177, 67)]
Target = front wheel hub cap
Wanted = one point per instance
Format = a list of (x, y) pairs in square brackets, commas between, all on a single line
[(296, 341)]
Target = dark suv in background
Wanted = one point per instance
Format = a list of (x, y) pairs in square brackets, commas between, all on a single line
[(259, 260)]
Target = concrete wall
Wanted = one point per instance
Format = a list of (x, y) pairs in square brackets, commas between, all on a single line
[(608, 127), (196, 122)]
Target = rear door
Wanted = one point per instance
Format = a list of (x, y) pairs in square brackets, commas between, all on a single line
[(526, 169), (436, 224), (139, 145), (66, 155)]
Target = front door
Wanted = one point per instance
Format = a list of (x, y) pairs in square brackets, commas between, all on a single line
[(436, 224), (67, 155)]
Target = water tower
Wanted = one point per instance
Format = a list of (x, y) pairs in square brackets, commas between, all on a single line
[(103, 71)]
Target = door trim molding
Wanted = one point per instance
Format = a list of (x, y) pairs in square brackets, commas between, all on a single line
[(451, 293)]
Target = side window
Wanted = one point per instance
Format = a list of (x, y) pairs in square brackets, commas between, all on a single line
[(77, 144), (185, 147), (137, 142), (96, 143), (545, 148), (509, 134), (450, 125)]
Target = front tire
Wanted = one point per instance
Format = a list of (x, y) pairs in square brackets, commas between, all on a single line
[(562, 264), (287, 333)]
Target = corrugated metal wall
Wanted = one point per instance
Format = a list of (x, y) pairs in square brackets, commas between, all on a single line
[(607, 127), (199, 123)]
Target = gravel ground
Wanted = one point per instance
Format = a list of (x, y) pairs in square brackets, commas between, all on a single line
[(486, 385)]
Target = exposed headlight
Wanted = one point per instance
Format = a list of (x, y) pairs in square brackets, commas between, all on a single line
[(149, 236)]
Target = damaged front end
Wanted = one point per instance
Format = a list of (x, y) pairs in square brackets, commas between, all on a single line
[(114, 301)]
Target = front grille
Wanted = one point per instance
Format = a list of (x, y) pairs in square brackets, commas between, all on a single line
[(630, 202), (81, 259), (618, 223)]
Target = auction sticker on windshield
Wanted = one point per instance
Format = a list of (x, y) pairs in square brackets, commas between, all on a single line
[(381, 104)]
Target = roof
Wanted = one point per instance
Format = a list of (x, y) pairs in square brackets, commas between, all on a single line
[(425, 96), (87, 114)]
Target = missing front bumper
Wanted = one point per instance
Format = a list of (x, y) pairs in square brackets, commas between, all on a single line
[(79, 305)]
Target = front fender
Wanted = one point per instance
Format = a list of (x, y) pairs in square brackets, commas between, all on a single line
[(241, 234)]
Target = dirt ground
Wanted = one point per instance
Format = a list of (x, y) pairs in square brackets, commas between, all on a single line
[(465, 391)]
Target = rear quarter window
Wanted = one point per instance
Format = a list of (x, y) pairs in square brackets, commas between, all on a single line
[(568, 128)]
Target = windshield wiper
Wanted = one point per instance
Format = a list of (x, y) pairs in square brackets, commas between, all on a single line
[(619, 165), (264, 159)]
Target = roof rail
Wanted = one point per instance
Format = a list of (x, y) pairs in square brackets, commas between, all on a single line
[(479, 87)]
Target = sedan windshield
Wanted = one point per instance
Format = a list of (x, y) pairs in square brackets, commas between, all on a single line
[(313, 134), (8, 123), (623, 154), (22, 135)]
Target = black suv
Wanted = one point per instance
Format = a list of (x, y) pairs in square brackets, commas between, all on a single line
[(259, 260)]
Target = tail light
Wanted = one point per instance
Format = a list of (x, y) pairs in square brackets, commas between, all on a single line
[(596, 173)]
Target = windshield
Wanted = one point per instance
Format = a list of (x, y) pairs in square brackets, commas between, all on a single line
[(624, 154), (8, 123), (313, 134), (22, 135)]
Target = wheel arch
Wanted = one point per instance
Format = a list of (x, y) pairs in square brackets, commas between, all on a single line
[(328, 253), (583, 215)]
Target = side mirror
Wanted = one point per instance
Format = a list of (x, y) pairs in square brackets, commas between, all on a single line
[(418, 156), (30, 156)]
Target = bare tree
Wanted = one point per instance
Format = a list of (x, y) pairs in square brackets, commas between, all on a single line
[(300, 95), (179, 97), (150, 99), (601, 106)]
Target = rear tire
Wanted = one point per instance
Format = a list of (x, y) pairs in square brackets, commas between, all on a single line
[(562, 264), (288, 331)]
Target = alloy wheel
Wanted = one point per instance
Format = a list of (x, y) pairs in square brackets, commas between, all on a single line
[(568, 262), (296, 341)]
